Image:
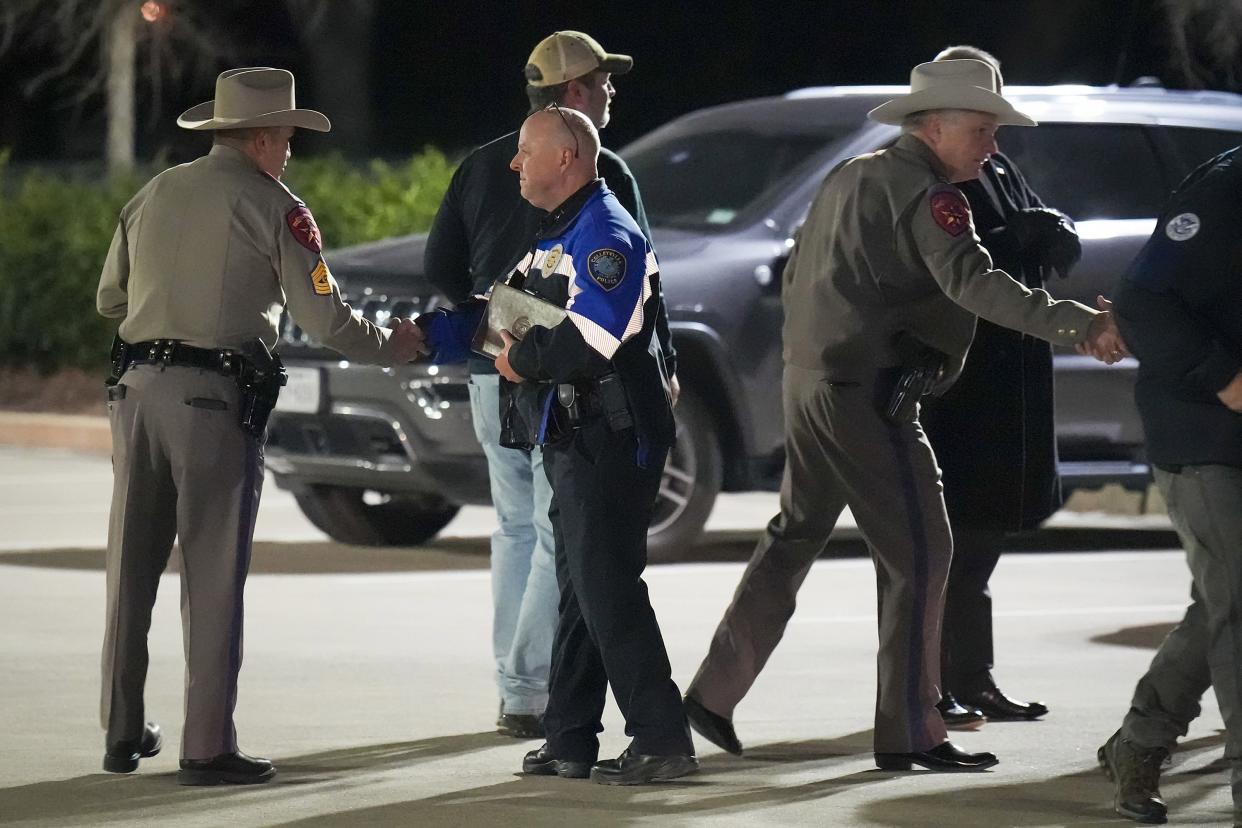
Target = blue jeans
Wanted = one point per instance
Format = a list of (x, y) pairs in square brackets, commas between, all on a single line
[(524, 589)]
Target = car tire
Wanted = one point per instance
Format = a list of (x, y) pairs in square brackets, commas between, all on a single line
[(398, 520), (692, 478)]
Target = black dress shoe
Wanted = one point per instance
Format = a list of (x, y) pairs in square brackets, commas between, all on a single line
[(542, 763), (997, 706), (639, 769), (520, 725), (226, 769), (959, 717), (716, 729), (122, 757), (943, 757)]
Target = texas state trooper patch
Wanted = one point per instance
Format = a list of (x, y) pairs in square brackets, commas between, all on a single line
[(606, 267), (1182, 227), (302, 225), (950, 210)]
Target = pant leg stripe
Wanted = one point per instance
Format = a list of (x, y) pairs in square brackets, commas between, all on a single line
[(915, 711), (244, 541)]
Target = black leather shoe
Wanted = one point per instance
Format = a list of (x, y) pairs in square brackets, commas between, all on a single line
[(639, 769), (959, 717), (1135, 772), (122, 757), (716, 729), (997, 706), (520, 725), (542, 763), (226, 769), (943, 757)]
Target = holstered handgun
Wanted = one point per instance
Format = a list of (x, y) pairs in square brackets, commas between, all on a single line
[(922, 366), (616, 404), (260, 382), (117, 357)]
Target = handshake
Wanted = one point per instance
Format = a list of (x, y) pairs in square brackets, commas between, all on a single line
[(408, 341)]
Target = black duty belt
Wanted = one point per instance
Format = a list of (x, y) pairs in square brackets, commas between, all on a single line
[(591, 399), (259, 374), (173, 352)]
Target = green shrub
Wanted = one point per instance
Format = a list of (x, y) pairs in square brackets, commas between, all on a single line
[(54, 233), (353, 205), (55, 229)]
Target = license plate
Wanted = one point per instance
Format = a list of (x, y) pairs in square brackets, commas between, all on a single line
[(303, 394)]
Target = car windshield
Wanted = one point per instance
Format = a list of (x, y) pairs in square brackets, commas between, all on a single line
[(710, 180)]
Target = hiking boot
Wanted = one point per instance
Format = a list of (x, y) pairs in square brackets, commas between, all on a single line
[(1135, 771)]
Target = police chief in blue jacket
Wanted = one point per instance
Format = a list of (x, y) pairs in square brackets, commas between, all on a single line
[(593, 391)]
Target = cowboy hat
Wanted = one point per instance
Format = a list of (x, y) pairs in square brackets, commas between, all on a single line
[(253, 97), (952, 84)]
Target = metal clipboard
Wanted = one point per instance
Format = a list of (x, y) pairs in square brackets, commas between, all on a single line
[(513, 310)]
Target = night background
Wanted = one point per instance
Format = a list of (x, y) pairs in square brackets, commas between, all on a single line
[(397, 75)]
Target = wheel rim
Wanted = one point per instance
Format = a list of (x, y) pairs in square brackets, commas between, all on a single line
[(676, 484)]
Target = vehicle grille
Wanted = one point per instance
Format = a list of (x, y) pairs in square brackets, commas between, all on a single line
[(372, 439), (378, 308)]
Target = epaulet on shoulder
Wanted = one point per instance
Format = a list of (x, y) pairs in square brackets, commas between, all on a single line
[(944, 187), (274, 180)]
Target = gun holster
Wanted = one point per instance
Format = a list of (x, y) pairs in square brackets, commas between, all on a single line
[(118, 358), (259, 382), (604, 396)]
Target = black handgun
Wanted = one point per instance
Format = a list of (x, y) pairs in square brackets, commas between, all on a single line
[(260, 383), (922, 366)]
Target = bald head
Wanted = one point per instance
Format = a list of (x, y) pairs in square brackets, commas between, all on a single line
[(557, 151)]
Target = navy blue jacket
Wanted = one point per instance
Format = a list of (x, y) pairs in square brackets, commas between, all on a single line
[(1179, 309)]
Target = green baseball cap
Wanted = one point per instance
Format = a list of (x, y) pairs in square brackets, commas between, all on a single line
[(563, 56)]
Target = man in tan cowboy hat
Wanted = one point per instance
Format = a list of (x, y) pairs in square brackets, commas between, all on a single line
[(993, 433), (204, 259), (885, 281), (482, 229)]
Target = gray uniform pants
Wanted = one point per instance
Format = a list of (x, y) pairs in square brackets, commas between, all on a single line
[(841, 452), (183, 468), (1205, 504)]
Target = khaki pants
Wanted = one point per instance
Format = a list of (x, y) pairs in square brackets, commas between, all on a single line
[(1205, 649), (841, 452), (183, 468)]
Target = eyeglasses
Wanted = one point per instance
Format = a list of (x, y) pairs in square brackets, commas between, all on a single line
[(552, 106)]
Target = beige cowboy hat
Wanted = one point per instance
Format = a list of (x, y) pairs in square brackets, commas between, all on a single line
[(564, 56), (952, 84), (253, 97)]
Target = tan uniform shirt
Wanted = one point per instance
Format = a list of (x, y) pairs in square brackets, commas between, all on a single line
[(210, 253), (889, 246)]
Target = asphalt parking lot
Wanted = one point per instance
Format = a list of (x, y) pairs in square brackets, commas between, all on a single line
[(368, 680)]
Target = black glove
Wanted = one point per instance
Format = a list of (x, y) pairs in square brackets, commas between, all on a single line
[(1046, 238)]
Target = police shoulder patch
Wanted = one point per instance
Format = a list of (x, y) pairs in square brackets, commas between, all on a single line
[(302, 225), (607, 267), (1182, 227), (319, 279), (949, 209)]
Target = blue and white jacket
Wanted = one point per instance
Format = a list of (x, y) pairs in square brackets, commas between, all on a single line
[(590, 258)]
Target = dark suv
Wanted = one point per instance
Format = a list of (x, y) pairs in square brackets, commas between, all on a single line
[(387, 456)]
